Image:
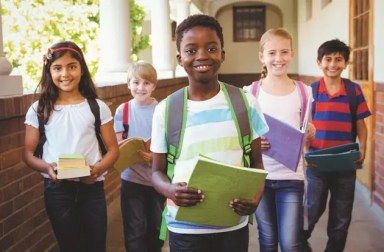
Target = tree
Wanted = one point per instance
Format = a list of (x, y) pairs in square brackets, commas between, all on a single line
[(30, 27), (139, 41)]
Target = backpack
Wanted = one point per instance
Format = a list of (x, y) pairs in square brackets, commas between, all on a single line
[(175, 123), (351, 93), (125, 120), (95, 111), (301, 90)]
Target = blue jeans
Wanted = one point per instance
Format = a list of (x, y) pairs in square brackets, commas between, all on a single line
[(142, 208), (236, 240), (279, 215), (342, 188), (78, 214)]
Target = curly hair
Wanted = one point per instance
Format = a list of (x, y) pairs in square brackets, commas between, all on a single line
[(198, 20), (48, 90)]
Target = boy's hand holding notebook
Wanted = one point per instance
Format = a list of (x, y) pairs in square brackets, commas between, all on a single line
[(129, 152), (72, 166)]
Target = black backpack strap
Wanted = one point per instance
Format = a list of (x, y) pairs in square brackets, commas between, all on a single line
[(315, 90), (42, 138), (351, 93), (96, 112)]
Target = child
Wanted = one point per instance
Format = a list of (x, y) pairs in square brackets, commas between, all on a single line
[(211, 131), (333, 120), (141, 205), (76, 207), (280, 212)]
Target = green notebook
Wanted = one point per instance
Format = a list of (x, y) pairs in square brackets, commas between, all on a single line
[(220, 184)]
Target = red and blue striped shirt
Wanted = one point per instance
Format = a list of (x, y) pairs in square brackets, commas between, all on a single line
[(332, 116)]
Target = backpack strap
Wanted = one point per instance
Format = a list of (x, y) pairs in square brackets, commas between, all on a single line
[(125, 120), (304, 99), (42, 138), (175, 122), (255, 88), (351, 93), (239, 107), (96, 112), (315, 91)]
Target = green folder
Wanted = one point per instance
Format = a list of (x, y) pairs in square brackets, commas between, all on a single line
[(220, 183), (335, 159)]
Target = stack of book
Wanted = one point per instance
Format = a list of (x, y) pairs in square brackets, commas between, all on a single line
[(72, 166)]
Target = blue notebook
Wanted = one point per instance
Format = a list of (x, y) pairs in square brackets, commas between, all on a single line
[(339, 158)]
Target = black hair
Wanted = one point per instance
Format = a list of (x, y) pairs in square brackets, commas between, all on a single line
[(48, 90), (198, 20), (333, 46)]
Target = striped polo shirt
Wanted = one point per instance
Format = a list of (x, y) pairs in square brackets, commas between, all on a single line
[(332, 116)]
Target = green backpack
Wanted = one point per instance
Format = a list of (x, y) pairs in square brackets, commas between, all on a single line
[(175, 123)]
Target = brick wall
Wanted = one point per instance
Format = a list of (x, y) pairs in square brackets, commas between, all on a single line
[(378, 194), (24, 224)]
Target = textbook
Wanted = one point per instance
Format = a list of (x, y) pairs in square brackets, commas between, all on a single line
[(129, 152), (286, 141), (220, 183), (339, 158), (72, 166)]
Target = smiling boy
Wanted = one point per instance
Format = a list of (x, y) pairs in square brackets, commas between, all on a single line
[(336, 123), (211, 131)]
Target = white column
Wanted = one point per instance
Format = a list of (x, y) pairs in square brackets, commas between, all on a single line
[(115, 42), (9, 85), (182, 12), (161, 38)]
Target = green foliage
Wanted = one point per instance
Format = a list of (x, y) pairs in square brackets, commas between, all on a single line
[(139, 41), (31, 27)]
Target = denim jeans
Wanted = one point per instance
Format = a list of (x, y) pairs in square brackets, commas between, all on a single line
[(231, 241), (279, 215), (341, 186), (78, 214), (142, 208)]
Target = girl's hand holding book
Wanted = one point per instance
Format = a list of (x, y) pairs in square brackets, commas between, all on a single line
[(264, 143), (51, 171), (311, 132), (91, 179)]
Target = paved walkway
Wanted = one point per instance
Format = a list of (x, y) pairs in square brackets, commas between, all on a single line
[(366, 233)]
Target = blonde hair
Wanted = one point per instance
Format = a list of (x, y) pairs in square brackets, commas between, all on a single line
[(142, 70), (274, 32)]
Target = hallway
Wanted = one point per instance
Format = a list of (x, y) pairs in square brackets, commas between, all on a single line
[(366, 233)]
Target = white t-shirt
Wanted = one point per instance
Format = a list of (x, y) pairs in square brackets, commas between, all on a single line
[(71, 130), (211, 131), (287, 109)]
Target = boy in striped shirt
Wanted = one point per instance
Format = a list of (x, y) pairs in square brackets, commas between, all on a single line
[(333, 119), (211, 131)]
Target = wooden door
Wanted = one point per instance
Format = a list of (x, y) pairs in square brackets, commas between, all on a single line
[(361, 71)]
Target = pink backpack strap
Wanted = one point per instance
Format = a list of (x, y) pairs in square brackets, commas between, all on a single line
[(255, 88), (304, 98)]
